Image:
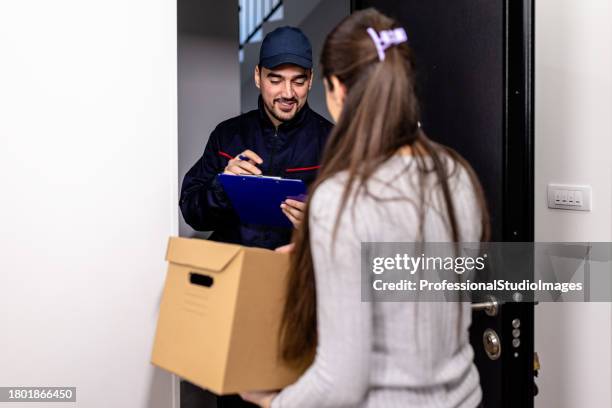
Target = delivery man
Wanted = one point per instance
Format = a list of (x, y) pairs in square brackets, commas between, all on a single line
[(283, 137)]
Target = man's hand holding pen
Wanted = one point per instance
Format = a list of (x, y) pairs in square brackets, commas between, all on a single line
[(245, 163)]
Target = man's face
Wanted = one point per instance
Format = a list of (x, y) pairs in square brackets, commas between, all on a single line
[(284, 90)]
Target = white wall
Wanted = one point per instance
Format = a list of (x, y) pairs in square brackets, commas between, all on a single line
[(208, 78), (574, 145), (88, 175)]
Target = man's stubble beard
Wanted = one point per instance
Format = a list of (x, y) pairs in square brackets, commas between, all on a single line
[(272, 112)]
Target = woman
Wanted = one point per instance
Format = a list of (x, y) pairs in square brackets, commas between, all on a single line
[(381, 179)]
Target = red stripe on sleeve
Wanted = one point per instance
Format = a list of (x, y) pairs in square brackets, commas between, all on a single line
[(225, 155), (301, 169)]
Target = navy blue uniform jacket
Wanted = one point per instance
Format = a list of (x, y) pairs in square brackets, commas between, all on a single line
[(293, 150)]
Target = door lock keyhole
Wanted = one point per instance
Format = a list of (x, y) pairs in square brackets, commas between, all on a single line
[(492, 344)]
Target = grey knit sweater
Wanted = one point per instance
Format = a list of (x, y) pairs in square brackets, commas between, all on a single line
[(385, 354)]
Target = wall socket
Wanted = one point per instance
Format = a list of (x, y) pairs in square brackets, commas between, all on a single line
[(569, 197)]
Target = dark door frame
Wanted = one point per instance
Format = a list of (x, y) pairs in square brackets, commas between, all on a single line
[(518, 220)]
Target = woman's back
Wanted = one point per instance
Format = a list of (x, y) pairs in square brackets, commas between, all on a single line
[(387, 354), (377, 354)]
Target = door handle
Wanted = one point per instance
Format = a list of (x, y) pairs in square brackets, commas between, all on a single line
[(491, 307)]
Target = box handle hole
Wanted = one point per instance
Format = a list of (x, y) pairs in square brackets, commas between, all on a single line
[(202, 280)]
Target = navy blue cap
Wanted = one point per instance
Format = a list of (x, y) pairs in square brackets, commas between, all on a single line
[(285, 45)]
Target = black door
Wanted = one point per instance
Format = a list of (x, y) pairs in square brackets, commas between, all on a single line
[(474, 63)]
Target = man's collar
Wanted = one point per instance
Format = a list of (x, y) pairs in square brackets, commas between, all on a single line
[(294, 122)]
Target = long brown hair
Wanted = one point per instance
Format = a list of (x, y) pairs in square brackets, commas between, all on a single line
[(380, 115)]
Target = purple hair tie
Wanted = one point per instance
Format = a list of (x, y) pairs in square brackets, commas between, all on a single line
[(386, 39)]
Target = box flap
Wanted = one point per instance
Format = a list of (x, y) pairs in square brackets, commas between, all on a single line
[(201, 253)]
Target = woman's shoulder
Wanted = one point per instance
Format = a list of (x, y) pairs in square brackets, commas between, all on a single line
[(331, 202), (385, 180), (327, 196)]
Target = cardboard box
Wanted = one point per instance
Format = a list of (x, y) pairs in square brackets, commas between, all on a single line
[(219, 316)]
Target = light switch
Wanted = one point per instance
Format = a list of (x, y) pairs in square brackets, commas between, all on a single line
[(578, 198), (569, 197)]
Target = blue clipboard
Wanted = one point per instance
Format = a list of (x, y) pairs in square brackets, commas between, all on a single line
[(257, 199)]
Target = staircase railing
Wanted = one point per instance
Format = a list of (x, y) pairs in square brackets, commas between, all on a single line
[(253, 14)]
